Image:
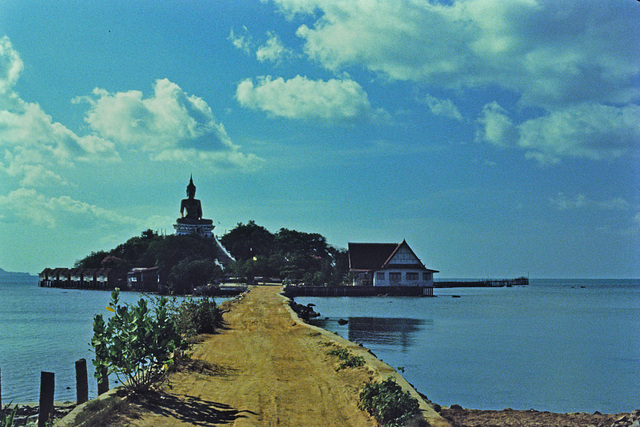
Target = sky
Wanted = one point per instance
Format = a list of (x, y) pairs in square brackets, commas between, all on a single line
[(497, 137)]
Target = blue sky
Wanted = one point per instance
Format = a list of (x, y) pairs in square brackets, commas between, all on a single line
[(499, 138)]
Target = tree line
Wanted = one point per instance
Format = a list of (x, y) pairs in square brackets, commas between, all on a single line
[(189, 262)]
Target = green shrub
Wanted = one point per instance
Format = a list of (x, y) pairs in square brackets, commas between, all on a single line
[(388, 403), (347, 360), (196, 316), (136, 344)]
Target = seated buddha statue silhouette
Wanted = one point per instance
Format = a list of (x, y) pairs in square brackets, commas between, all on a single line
[(191, 208)]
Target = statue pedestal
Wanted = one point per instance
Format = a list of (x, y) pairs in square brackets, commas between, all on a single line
[(205, 230)]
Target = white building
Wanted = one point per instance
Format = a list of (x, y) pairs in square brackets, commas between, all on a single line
[(388, 264)]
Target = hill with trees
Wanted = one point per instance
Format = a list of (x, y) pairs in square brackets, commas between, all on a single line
[(188, 262)]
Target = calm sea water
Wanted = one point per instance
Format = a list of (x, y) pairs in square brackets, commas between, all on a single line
[(555, 345), (43, 329)]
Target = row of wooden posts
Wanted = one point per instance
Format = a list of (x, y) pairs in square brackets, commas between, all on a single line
[(47, 388)]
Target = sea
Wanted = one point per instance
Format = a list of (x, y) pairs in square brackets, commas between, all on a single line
[(49, 329), (555, 345)]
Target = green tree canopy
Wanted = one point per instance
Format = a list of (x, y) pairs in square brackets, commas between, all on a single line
[(249, 240), (289, 254)]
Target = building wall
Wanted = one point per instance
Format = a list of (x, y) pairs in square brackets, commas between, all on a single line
[(402, 277)]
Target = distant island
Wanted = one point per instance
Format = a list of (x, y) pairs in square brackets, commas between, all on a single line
[(15, 275), (194, 260)]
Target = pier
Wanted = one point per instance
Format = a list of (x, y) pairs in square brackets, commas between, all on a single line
[(358, 291), (485, 283)]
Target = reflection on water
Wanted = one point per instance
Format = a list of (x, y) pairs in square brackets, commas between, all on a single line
[(392, 331)]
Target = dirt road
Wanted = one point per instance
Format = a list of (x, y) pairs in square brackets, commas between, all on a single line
[(266, 368)]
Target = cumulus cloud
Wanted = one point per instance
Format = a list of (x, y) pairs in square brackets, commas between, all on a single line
[(555, 57), (169, 125), (496, 126), (41, 210), (10, 65), (241, 41), (442, 107), (32, 144), (580, 201), (550, 53), (273, 50), (301, 98), (591, 131)]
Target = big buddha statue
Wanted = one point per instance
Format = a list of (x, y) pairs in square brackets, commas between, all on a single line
[(191, 222), (191, 208)]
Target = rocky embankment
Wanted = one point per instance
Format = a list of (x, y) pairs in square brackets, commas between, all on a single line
[(462, 417)]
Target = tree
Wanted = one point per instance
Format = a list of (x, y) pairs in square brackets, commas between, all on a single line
[(304, 254), (289, 254), (248, 241), (190, 274), (93, 260), (149, 233)]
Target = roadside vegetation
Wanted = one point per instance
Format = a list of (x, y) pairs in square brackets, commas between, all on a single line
[(195, 316), (346, 358), (140, 344), (137, 344), (388, 403)]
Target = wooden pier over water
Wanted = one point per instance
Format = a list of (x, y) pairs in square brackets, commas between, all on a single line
[(486, 283)]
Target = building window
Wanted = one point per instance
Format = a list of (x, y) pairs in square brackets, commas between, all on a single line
[(412, 276), (380, 275), (426, 277), (395, 277)]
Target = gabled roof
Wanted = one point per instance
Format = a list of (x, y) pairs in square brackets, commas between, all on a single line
[(376, 256), (369, 256)]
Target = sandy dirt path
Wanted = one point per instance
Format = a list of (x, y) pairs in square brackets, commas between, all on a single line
[(265, 368)]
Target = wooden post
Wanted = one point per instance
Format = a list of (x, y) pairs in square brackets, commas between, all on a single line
[(103, 382), (82, 384), (0, 389), (47, 386)]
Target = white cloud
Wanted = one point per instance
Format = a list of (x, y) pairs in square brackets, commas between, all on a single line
[(301, 98), (40, 210), (442, 107), (557, 57), (273, 50), (591, 131), (496, 126), (580, 201), (169, 125), (241, 41), (551, 53), (32, 144), (10, 65)]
